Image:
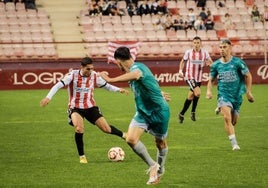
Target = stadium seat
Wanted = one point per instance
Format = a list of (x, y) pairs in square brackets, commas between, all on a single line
[(10, 6), (190, 4), (181, 4), (239, 25), (258, 25), (107, 27), (171, 35), (136, 19), (146, 19), (151, 35), (128, 27), (125, 19), (120, 35), (42, 13), (161, 35), (181, 34), (148, 27), (106, 19), (100, 35), (231, 34), (116, 19), (229, 3), (141, 35), (2, 6), (130, 35), (202, 34), (212, 35), (242, 34), (117, 27), (137, 26), (240, 3), (190, 34)]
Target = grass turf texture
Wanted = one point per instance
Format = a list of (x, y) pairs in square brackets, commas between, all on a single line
[(37, 148)]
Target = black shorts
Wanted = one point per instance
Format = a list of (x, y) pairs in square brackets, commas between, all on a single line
[(193, 84), (91, 114)]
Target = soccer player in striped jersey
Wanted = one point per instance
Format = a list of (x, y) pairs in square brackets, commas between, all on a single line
[(234, 79), (81, 84), (152, 111), (195, 59)]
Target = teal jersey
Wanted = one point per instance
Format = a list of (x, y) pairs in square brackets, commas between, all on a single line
[(231, 80), (147, 93)]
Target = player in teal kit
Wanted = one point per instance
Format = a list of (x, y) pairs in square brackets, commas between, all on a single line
[(152, 111), (234, 79)]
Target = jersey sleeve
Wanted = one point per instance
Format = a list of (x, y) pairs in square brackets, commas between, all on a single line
[(68, 78), (243, 67), (100, 82), (186, 55)]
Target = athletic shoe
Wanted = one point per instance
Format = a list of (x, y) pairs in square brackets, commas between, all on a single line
[(217, 110), (193, 116), (153, 177), (181, 118), (83, 159), (236, 147)]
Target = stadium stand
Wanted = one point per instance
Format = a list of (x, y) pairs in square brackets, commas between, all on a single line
[(71, 32)]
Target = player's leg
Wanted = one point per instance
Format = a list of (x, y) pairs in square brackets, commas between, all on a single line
[(197, 93), (133, 140), (186, 105), (78, 123), (134, 133), (94, 116), (226, 111), (103, 125), (158, 128), (162, 150)]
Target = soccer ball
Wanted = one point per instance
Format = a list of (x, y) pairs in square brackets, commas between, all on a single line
[(116, 154)]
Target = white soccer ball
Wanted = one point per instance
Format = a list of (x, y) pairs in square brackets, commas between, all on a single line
[(116, 154)]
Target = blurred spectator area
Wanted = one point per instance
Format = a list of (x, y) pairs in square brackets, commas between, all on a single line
[(27, 33)]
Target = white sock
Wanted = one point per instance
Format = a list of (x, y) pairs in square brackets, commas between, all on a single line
[(232, 139)]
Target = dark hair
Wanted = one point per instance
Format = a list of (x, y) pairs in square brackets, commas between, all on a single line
[(197, 38), (226, 41), (122, 53), (85, 61)]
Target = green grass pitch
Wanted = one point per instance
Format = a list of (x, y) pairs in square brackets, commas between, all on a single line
[(37, 148)]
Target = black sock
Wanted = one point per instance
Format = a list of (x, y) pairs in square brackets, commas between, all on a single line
[(187, 103), (79, 143), (195, 101), (116, 131)]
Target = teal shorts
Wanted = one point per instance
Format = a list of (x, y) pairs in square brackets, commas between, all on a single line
[(234, 105), (156, 124)]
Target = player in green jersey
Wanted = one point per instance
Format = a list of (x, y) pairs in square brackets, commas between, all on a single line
[(234, 79), (152, 111)]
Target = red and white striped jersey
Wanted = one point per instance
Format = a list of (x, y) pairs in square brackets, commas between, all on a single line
[(81, 88), (195, 61)]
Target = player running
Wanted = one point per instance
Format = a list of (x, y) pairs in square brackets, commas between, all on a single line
[(81, 84), (195, 59), (152, 111), (234, 79)]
